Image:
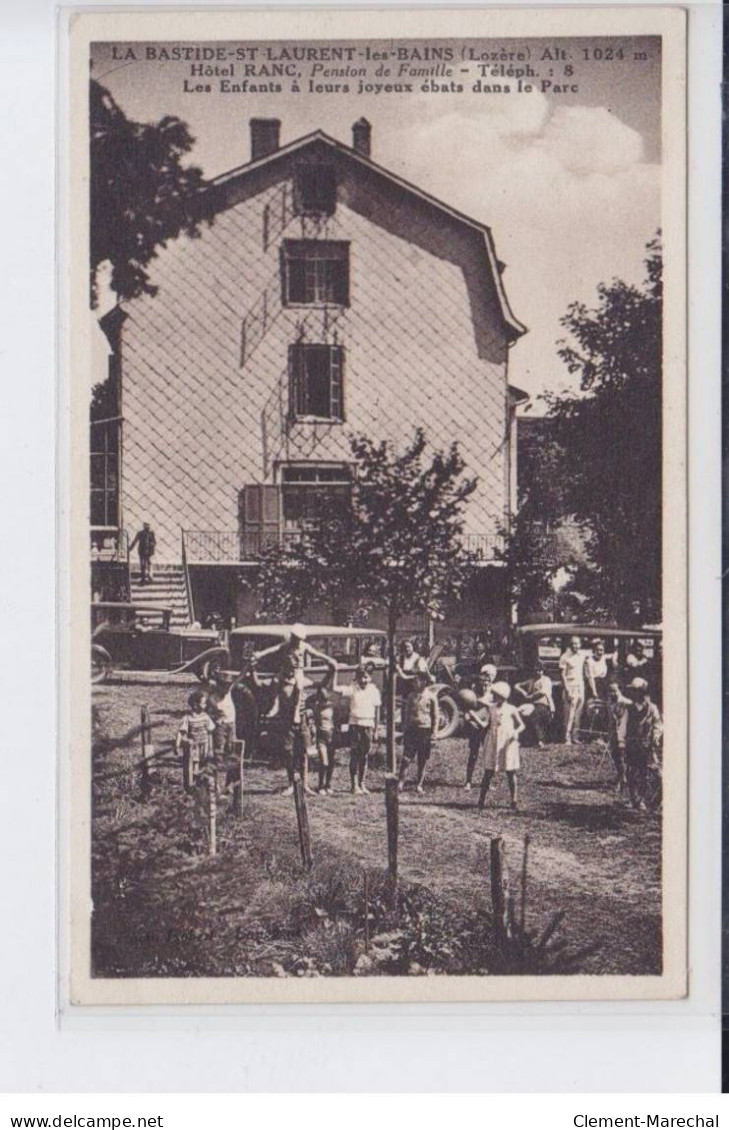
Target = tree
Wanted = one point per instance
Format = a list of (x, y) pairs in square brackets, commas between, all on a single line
[(141, 194), (547, 551), (397, 547), (590, 496)]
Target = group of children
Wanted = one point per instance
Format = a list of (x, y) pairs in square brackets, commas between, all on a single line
[(305, 722)]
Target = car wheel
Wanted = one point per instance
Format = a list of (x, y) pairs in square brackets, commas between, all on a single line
[(449, 716), (100, 664)]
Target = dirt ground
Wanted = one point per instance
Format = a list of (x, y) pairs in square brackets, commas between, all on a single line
[(163, 906)]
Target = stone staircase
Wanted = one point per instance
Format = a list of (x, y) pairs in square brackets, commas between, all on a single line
[(167, 590)]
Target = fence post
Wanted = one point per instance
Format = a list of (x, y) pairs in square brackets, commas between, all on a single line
[(188, 767), (147, 752), (211, 783), (240, 749), (525, 860), (391, 809), (302, 819), (366, 912), (500, 893)]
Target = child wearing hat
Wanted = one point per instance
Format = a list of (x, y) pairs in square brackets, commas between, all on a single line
[(643, 740), (501, 747), (477, 718)]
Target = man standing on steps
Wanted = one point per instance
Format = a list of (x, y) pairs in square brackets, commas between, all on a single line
[(146, 543)]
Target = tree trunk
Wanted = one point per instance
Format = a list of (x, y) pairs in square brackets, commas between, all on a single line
[(390, 734)]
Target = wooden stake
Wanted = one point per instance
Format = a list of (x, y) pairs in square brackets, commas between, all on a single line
[(240, 749), (190, 767), (147, 752), (367, 911), (500, 894), (302, 819), (211, 781), (391, 809), (522, 914)]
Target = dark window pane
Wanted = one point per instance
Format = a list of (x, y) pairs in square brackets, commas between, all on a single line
[(316, 189), (317, 381), (98, 472), (297, 280), (98, 509), (112, 509)]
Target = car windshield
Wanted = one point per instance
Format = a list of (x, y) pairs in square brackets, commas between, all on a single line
[(342, 648), (549, 647)]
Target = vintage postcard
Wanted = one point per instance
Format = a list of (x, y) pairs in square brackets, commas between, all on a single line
[(375, 506)]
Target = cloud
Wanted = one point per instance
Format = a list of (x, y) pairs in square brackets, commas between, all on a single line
[(567, 193), (589, 139)]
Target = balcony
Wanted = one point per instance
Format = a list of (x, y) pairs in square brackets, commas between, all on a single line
[(233, 547)]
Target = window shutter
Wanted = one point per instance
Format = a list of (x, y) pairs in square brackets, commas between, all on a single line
[(297, 381), (250, 512), (261, 517), (336, 377), (270, 514)]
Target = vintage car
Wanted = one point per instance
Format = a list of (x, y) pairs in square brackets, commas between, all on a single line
[(544, 643), (140, 637), (349, 647)]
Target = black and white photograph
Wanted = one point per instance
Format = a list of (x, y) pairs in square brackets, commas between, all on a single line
[(378, 510)]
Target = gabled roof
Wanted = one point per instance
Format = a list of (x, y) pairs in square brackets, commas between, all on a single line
[(515, 327)]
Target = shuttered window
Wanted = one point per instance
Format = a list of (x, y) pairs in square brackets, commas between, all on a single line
[(315, 272), (316, 386)]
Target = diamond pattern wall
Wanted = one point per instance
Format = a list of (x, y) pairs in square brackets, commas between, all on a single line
[(205, 380)]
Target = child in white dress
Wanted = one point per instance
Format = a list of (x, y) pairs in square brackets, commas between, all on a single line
[(501, 746)]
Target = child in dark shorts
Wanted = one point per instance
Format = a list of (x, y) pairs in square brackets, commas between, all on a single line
[(420, 723)]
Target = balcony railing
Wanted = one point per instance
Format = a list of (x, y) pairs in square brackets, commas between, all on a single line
[(484, 547), (212, 547), (230, 547)]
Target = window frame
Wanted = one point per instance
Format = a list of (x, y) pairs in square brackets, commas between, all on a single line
[(297, 370), (108, 451), (311, 253), (330, 479)]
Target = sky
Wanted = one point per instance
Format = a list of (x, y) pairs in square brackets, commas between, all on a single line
[(569, 182)]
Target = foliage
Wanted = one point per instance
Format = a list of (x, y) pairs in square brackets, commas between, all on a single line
[(612, 435), (140, 192), (548, 553), (588, 532), (397, 547)]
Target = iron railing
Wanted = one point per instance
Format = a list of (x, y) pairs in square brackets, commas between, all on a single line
[(483, 547), (212, 547), (188, 585), (229, 547)]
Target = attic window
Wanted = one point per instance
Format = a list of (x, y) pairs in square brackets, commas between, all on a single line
[(315, 190)]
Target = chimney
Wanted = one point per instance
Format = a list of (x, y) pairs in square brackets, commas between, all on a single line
[(362, 137), (264, 137)]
